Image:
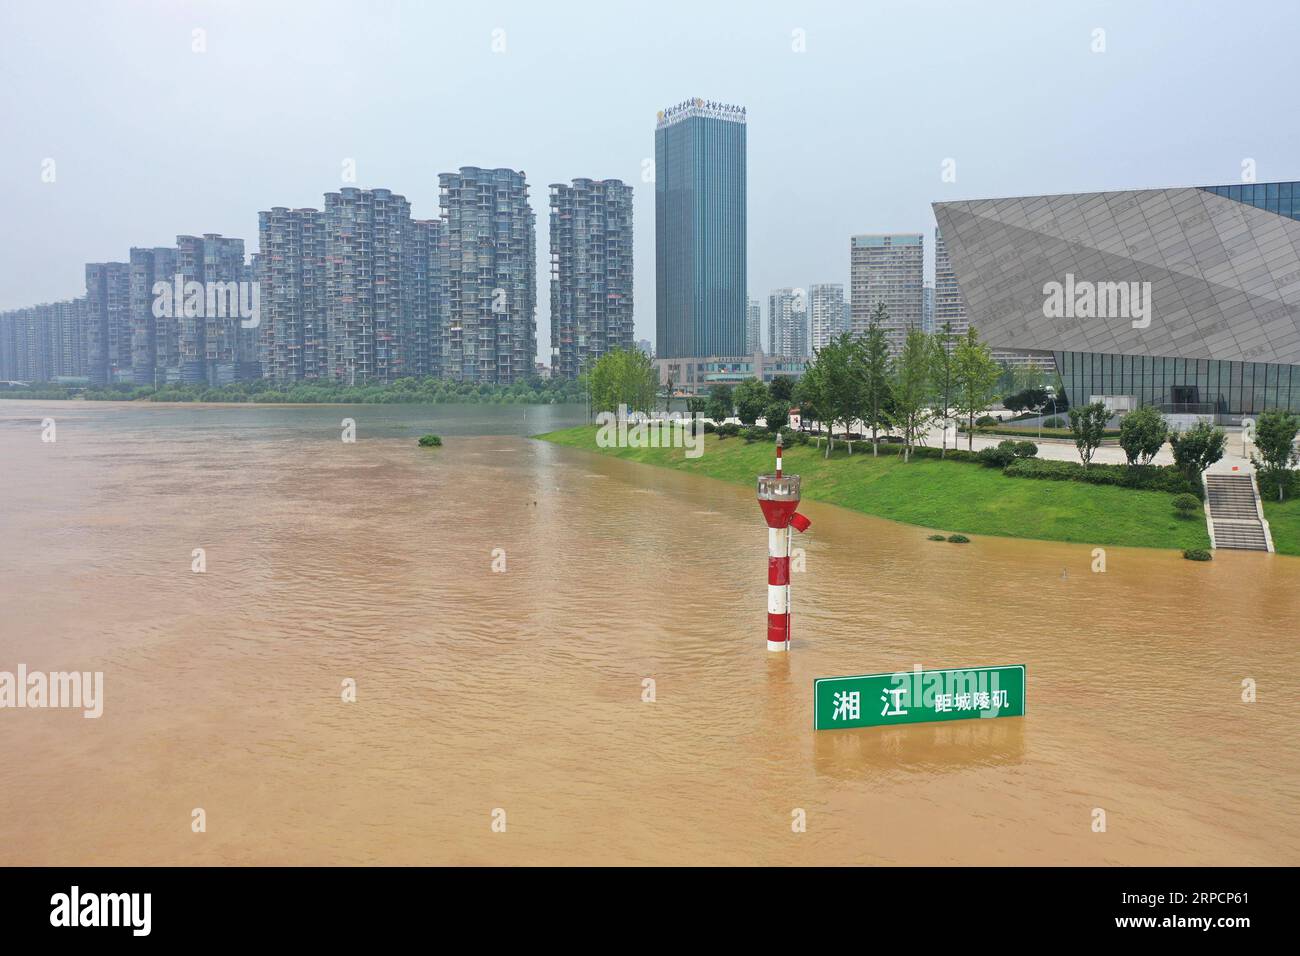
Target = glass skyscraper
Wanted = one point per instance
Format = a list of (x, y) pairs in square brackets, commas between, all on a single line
[(700, 298)]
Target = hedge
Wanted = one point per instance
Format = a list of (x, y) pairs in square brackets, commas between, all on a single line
[(1142, 477)]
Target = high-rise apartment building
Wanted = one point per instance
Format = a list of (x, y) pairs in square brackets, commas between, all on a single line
[(787, 317), (155, 339), (949, 309), (291, 274), (700, 254), (108, 322), (888, 268), (753, 326), (364, 229), (44, 342), (209, 333), (423, 329), (491, 276), (591, 273), (927, 308), (825, 313)]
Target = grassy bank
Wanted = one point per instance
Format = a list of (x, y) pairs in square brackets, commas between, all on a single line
[(952, 496), (1284, 522)]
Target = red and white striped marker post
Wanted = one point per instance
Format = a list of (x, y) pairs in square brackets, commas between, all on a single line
[(778, 496)]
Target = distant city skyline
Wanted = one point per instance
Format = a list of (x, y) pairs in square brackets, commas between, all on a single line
[(88, 177)]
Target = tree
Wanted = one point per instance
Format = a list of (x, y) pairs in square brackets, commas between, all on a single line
[(782, 388), (1029, 398), (1196, 449), (876, 399), (977, 381), (943, 377), (721, 404), (667, 392), (623, 377), (777, 415), (832, 386), (912, 388), (751, 399), (1275, 434), (1089, 425), (811, 394), (1142, 433)]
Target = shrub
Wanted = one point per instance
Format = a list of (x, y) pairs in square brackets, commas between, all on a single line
[(984, 420), (430, 441), (999, 457), (936, 537), (754, 433), (709, 427), (1056, 423), (952, 454), (1197, 554), (1269, 479), (729, 430), (789, 436), (1185, 504), (1018, 449), (1142, 477), (958, 539)]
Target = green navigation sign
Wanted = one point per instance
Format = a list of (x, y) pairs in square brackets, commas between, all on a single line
[(918, 696)]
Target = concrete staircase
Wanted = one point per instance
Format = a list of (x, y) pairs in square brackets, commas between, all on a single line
[(1233, 513)]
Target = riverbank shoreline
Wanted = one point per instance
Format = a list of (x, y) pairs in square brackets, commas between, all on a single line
[(936, 495)]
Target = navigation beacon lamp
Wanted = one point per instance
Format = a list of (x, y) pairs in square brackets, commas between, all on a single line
[(778, 496)]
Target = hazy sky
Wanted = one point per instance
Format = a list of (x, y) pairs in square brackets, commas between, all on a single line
[(151, 139)]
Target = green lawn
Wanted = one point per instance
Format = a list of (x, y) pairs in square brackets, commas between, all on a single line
[(1284, 522), (952, 496)]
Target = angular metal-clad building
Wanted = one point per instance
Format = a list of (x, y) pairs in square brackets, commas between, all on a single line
[(1187, 299)]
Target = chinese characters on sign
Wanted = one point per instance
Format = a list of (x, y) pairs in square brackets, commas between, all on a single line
[(918, 696)]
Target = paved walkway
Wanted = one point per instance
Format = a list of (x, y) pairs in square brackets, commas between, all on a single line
[(1063, 449)]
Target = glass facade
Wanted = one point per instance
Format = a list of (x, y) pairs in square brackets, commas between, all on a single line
[(1200, 386), (700, 291), (1281, 198)]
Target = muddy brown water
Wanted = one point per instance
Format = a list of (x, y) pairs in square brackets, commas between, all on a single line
[(522, 691)]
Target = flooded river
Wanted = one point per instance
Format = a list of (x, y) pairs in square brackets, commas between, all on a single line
[(521, 689)]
